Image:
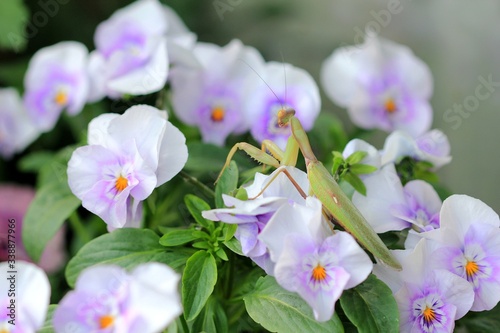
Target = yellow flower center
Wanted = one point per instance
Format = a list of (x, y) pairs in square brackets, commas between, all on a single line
[(319, 273), (429, 314), (106, 321), (471, 268), (4, 330), (121, 183), (218, 114), (61, 98), (390, 106)]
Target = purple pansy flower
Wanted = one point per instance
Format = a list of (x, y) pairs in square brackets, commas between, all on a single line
[(253, 215), (131, 52), (468, 244), (56, 80), (210, 93), (382, 84), (310, 259), (16, 129), (127, 157), (429, 300), (280, 86), (432, 146), (390, 206), (108, 299)]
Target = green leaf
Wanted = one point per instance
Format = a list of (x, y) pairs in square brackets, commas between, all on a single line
[(127, 248), (177, 237), (338, 160), (195, 206), (212, 319), (356, 157), (13, 19), (362, 169), (234, 245), (52, 205), (34, 161), (198, 281), (278, 310), (56, 170), (227, 183), (484, 322), (47, 325), (221, 254), (371, 307), (356, 182)]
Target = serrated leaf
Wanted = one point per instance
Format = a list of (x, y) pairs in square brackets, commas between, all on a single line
[(195, 206), (177, 237), (362, 169), (13, 19), (356, 157), (227, 183), (371, 307), (127, 248), (279, 310), (212, 319), (198, 281), (356, 182), (52, 205)]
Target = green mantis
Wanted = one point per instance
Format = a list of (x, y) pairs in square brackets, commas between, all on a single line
[(337, 205)]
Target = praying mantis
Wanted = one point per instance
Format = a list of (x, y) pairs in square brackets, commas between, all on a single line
[(322, 184)]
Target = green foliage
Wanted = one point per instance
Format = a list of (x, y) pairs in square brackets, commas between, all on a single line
[(371, 307), (279, 310), (52, 205), (212, 318), (126, 248), (349, 169), (410, 169), (198, 281), (13, 19), (227, 183)]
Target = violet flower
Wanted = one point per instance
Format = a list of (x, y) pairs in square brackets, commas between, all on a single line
[(382, 84), (56, 80)]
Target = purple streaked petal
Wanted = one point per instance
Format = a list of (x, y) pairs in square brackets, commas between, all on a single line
[(294, 270)]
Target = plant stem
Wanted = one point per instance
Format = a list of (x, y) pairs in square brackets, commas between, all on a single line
[(190, 179), (79, 228)]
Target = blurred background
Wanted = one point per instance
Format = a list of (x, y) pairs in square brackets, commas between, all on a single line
[(459, 40)]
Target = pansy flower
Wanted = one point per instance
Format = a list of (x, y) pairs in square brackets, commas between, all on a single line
[(432, 146), (108, 299), (252, 215), (210, 93), (131, 52), (388, 205), (310, 259), (429, 300), (56, 80), (468, 244), (382, 84), (16, 129), (127, 157), (280, 86)]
